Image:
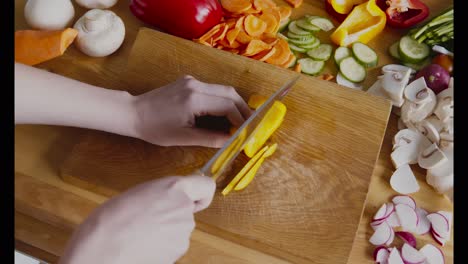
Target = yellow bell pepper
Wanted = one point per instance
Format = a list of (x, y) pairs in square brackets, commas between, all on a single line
[(253, 171), (228, 153), (345, 6), (270, 122), (256, 100), (364, 23)]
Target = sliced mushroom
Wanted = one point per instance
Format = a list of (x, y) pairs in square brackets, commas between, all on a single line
[(435, 121), (446, 140), (407, 154), (431, 157), (450, 86), (393, 84), (448, 125), (429, 130), (407, 145), (412, 112), (396, 68), (401, 124), (440, 184), (376, 89), (444, 108), (417, 91), (446, 168)]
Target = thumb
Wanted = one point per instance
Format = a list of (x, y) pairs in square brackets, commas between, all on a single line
[(204, 137), (199, 189)]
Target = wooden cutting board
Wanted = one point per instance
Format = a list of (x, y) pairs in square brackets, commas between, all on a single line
[(307, 199)]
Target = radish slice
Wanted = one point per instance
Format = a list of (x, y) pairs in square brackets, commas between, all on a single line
[(391, 238), (433, 254), (381, 212), (448, 216), (403, 180), (438, 239), (404, 199), (424, 225), (381, 254), (381, 235), (411, 255), (394, 257), (393, 220), (439, 225), (407, 216), (389, 208), (407, 237)]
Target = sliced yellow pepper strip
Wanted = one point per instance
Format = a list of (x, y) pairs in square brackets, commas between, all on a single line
[(228, 153), (256, 100), (364, 23), (270, 122), (252, 172), (243, 171), (345, 6)]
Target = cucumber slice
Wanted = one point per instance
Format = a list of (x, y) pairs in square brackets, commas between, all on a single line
[(322, 23), (296, 48), (412, 51), (341, 53), (297, 30), (364, 54), (322, 52), (420, 65), (282, 36), (352, 70), (291, 35), (283, 24), (304, 41), (393, 50), (304, 24), (311, 66), (310, 46)]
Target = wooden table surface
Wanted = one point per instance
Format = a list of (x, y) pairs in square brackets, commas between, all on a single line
[(47, 209)]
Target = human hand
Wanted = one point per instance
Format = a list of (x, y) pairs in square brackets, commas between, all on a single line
[(166, 116), (150, 223)]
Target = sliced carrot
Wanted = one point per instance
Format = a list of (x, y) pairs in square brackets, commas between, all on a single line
[(35, 46), (289, 61), (243, 37), (264, 55), (232, 35), (297, 68), (234, 45), (235, 51), (240, 23), (271, 21), (326, 77), (251, 10), (274, 11), (254, 47), (285, 12), (202, 42), (254, 26), (236, 6), (221, 33), (270, 40), (263, 4), (282, 52), (295, 3), (210, 33), (231, 22)]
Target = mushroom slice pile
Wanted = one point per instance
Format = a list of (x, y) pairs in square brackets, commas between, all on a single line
[(416, 112), (394, 84)]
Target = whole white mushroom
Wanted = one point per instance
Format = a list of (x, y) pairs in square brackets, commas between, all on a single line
[(100, 32), (101, 4), (49, 14)]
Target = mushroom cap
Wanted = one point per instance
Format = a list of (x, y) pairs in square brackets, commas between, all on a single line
[(417, 91), (49, 14), (429, 130), (431, 157), (445, 168), (412, 112), (394, 83)]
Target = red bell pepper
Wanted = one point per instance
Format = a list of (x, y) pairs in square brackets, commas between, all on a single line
[(404, 13), (183, 18)]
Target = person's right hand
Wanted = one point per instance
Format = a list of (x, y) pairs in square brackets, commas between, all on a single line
[(148, 224), (166, 116)]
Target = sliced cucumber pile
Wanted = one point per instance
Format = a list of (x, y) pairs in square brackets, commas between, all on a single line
[(364, 54), (300, 34), (410, 52), (353, 62)]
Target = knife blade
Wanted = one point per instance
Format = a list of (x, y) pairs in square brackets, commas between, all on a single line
[(231, 149)]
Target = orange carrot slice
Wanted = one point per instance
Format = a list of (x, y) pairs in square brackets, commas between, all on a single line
[(210, 33), (240, 23), (236, 6), (294, 3), (221, 33), (263, 4), (235, 51), (35, 46), (254, 26), (251, 10), (271, 21), (297, 68), (202, 42), (264, 55), (282, 52), (254, 47), (285, 12), (270, 40), (231, 22), (243, 37), (289, 61), (232, 35), (275, 12), (234, 45)]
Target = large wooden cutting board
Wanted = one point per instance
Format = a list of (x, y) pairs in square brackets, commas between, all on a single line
[(306, 201)]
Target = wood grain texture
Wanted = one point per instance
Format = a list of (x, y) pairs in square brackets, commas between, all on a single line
[(312, 189)]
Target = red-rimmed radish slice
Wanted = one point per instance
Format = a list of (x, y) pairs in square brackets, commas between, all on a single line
[(393, 220), (381, 254), (381, 235), (403, 180), (438, 239), (381, 212), (391, 238), (424, 225), (447, 215), (389, 208), (404, 199), (394, 257), (407, 237), (407, 216), (375, 224), (433, 254), (439, 225), (411, 255)]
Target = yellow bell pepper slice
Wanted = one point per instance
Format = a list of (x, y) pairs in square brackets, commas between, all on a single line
[(256, 100), (228, 153), (345, 6), (364, 23), (253, 171), (270, 122), (243, 171)]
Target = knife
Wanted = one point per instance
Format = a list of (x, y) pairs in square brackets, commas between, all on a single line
[(231, 149)]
